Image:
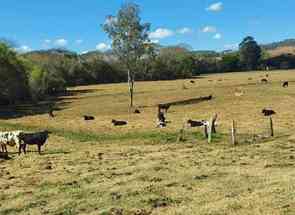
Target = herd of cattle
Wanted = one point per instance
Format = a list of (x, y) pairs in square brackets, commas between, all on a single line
[(21, 139)]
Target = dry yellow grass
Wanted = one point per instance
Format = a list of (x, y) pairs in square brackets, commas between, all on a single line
[(282, 50), (94, 168)]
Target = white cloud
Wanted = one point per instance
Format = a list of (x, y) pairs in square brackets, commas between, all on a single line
[(79, 42), (85, 52), (184, 30), (209, 29), (161, 33), (103, 47), (151, 41), (155, 41), (217, 36), (61, 42), (47, 41), (218, 6), (23, 49), (231, 46)]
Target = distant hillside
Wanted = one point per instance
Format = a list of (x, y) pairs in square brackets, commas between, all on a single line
[(274, 49), (206, 53), (49, 56), (282, 47), (92, 55), (284, 43)]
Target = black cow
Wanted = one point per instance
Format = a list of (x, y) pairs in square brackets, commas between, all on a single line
[(264, 81), (88, 117), (286, 84), (196, 123), (192, 81), (38, 139), (118, 122), (164, 107), (268, 112), (137, 111)]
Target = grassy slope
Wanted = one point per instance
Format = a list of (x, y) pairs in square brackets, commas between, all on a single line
[(143, 170)]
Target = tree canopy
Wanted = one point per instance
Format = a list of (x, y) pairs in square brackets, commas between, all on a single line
[(250, 53)]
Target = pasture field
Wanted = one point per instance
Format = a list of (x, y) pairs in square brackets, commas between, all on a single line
[(95, 168)]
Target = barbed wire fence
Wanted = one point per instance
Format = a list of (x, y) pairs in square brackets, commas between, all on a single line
[(258, 132)]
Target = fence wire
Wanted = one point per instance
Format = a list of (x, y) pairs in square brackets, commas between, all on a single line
[(252, 133)]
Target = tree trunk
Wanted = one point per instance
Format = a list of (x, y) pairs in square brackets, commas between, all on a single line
[(271, 132), (131, 87)]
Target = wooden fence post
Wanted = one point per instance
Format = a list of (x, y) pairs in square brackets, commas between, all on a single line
[(206, 130), (181, 136), (213, 124), (210, 126), (234, 133), (271, 127)]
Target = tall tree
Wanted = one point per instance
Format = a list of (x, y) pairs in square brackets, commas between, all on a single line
[(14, 79), (250, 53), (129, 40)]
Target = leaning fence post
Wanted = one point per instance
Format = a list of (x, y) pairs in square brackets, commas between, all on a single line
[(233, 133), (271, 127)]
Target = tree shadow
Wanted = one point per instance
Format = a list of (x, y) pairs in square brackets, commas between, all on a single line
[(80, 92), (55, 103), (199, 77), (30, 109)]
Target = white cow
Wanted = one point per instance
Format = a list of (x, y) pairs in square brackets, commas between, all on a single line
[(10, 138)]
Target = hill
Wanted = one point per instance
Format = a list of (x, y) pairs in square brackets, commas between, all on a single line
[(278, 48)]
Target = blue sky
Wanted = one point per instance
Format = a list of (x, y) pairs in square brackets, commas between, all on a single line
[(203, 24)]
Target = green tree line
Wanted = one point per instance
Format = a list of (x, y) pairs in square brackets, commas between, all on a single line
[(36, 75)]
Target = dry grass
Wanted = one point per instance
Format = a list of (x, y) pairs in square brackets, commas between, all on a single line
[(281, 50), (94, 168)]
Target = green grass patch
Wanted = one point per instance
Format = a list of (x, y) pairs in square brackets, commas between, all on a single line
[(160, 136)]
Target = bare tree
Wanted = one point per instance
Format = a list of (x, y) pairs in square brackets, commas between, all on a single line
[(130, 39)]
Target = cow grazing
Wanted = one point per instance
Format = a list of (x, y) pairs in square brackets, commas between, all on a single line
[(38, 138), (10, 138), (286, 84), (192, 81), (164, 107), (264, 81), (194, 123), (87, 118), (136, 111), (118, 122), (268, 112)]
